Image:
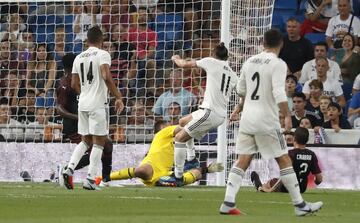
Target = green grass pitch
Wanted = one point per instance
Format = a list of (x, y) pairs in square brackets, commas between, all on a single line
[(46, 202)]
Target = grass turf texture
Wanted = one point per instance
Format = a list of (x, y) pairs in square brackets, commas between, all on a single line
[(41, 202)]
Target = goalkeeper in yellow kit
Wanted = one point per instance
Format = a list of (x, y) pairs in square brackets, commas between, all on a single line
[(156, 168)]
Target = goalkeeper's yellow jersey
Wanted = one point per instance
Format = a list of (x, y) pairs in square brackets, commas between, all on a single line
[(161, 151)]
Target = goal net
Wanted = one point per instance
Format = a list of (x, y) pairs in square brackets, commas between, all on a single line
[(141, 36)]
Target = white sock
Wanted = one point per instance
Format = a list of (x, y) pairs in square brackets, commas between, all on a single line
[(179, 158), (190, 149), (288, 178), (95, 159), (233, 185), (79, 151)]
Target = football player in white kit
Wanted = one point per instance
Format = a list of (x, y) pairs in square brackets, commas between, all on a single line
[(91, 78), (220, 81), (262, 83)]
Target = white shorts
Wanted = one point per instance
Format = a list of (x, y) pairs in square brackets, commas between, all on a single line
[(94, 122), (270, 145), (203, 120)]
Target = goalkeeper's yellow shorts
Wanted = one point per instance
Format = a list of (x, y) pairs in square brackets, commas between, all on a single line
[(159, 169)]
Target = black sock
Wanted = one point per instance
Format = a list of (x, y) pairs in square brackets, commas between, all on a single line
[(107, 161), (84, 161)]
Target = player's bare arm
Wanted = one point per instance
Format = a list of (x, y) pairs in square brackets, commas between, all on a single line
[(183, 63), (106, 75), (75, 83), (238, 108), (284, 109), (65, 113)]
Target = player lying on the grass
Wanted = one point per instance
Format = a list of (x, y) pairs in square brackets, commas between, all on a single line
[(159, 162), (304, 162)]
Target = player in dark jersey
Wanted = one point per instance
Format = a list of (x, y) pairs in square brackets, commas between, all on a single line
[(304, 162), (67, 108)]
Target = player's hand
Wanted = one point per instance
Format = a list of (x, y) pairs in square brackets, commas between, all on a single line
[(288, 123), (234, 116), (119, 105), (175, 57), (215, 167)]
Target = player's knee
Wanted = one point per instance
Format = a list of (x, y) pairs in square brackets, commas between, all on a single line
[(144, 173), (108, 147)]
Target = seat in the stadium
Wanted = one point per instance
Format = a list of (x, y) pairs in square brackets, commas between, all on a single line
[(300, 18), (356, 7), (315, 37), (69, 19), (277, 22), (286, 6)]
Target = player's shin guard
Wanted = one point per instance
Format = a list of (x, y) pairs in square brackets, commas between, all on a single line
[(189, 178), (79, 151), (84, 161), (179, 158), (123, 174), (107, 160), (288, 178), (95, 157), (190, 149), (233, 185)]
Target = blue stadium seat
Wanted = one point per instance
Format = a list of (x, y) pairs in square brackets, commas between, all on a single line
[(69, 19), (286, 4), (277, 22), (356, 7), (315, 37), (300, 18)]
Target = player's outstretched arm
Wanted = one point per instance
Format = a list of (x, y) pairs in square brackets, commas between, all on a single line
[(183, 63), (106, 75)]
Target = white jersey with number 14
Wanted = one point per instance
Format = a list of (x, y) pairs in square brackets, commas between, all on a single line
[(220, 81), (94, 92), (262, 81)]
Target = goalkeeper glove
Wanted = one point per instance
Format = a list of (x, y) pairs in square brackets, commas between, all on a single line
[(215, 167)]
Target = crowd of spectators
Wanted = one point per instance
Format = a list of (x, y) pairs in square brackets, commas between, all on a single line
[(322, 85), (141, 36)]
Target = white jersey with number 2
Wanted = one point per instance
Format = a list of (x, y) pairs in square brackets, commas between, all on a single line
[(262, 81), (220, 81), (94, 92)]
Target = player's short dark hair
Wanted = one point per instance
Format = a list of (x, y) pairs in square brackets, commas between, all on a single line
[(299, 95), (158, 124), (68, 60), (94, 35), (321, 43), (273, 38), (221, 52), (301, 135)]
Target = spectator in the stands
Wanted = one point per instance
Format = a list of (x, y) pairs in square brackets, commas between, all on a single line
[(336, 120), (356, 85), (290, 88), (26, 108), (174, 111), (330, 87), (297, 50), (342, 24), (316, 90), (86, 17), (305, 123), (14, 27), (308, 71), (120, 13), (60, 46), (145, 41), (5, 118), (348, 59), (324, 104), (317, 15), (299, 100), (7, 62), (13, 91), (138, 115), (354, 108), (41, 75), (176, 93)]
